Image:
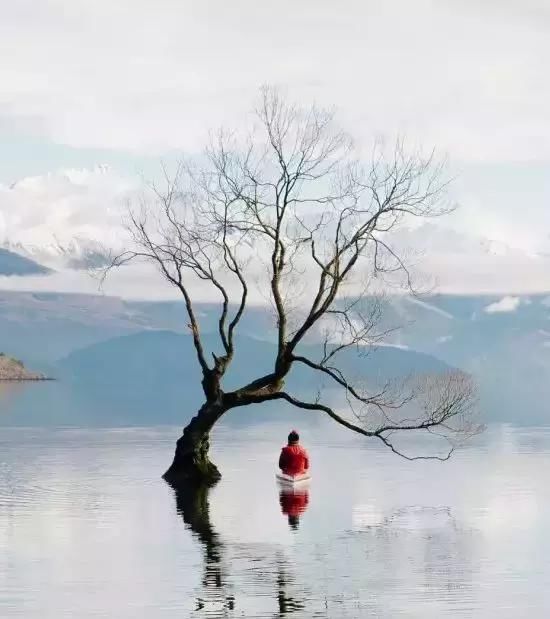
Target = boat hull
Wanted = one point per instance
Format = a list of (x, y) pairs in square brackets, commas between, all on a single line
[(290, 481)]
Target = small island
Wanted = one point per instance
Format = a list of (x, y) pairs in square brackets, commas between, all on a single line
[(14, 370)]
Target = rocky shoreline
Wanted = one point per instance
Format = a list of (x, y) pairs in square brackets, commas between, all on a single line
[(13, 370)]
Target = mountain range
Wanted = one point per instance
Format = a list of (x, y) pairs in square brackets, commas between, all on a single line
[(132, 362), (77, 254)]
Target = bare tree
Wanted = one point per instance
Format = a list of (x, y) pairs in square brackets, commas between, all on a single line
[(291, 212)]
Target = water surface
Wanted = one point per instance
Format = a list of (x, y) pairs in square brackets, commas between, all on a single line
[(88, 528)]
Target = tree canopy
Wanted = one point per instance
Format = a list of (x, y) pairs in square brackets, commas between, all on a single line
[(294, 214)]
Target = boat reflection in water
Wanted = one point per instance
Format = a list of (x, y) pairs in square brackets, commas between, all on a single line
[(294, 502)]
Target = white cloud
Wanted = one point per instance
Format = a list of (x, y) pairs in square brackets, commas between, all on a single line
[(454, 262), (76, 209), (506, 304), (154, 76), (130, 283), (145, 78)]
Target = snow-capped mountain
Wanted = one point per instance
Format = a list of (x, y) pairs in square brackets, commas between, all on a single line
[(67, 218), (73, 220), (78, 253)]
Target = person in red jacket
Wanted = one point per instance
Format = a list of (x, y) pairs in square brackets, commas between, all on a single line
[(293, 460)]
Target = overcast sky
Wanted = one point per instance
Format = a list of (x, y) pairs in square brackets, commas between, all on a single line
[(127, 82)]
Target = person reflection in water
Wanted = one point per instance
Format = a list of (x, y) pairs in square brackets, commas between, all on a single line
[(294, 460), (294, 503)]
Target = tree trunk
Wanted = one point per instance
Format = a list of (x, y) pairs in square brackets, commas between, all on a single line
[(191, 463)]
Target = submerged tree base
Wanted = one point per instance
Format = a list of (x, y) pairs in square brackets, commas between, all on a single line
[(205, 473), (191, 463)]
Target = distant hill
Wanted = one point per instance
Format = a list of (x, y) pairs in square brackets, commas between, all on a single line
[(503, 341), (153, 376), (42, 327), (15, 264)]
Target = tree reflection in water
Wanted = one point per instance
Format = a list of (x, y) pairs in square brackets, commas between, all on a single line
[(216, 598), (287, 604), (192, 503)]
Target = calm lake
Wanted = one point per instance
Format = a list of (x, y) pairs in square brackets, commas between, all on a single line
[(89, 529)]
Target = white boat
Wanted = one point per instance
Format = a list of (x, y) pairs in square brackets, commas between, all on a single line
[(293, 480)]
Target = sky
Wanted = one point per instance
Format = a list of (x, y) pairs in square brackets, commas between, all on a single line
[(95, 94)]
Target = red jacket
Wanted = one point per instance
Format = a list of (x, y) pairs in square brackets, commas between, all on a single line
[(293, 460)]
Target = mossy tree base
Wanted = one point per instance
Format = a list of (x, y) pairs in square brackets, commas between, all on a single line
[(191, 464)]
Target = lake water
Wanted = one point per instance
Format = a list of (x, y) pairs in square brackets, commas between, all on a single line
[(88, 528)]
